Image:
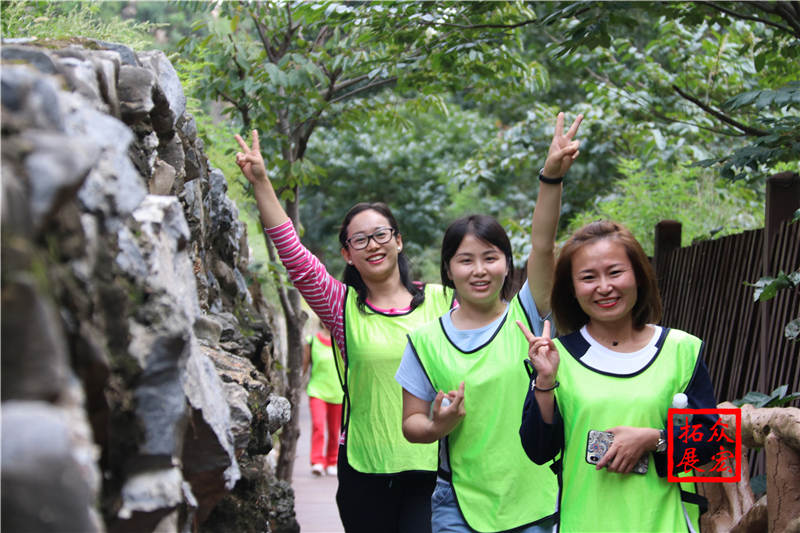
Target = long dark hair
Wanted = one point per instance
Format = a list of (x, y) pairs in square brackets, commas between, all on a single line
[(487, 229), (566, 309), (351, 274)]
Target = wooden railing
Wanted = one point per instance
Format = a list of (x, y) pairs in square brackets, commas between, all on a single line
[(732, 506)]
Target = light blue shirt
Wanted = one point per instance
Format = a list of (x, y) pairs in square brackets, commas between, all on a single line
[(410, 373), (412, 376)]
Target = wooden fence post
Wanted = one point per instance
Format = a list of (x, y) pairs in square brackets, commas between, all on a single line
[(667, 239), (782, 200)]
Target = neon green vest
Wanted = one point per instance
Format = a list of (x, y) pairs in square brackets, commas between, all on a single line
[(598, 500), (323, 383), (374, 400), (497, 487)]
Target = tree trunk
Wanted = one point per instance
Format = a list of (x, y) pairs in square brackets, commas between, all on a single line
[(291, 431), (295, 320)]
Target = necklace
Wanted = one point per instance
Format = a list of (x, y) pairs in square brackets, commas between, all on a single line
[(608, 341)]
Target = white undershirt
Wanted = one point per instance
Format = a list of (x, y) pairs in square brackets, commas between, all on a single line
[(601, 358)]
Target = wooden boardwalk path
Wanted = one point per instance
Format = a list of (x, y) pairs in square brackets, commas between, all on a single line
[(314, 497)]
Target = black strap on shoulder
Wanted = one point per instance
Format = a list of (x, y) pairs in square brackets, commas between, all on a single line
[(529, 368), (342, 373), (557, 465), (691, 497)]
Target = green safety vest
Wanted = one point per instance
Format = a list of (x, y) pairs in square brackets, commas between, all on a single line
[(323, 383), (599, 500), (496, 485), (374, 344)]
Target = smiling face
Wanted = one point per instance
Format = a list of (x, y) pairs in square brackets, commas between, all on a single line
[(376, 261), (604, 281), (478, 270)]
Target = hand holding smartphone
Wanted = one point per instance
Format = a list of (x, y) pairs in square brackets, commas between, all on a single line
[(598, 443)]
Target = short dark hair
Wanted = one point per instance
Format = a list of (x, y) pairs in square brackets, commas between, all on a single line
[(487, 229), (353, 277), (567, 311)]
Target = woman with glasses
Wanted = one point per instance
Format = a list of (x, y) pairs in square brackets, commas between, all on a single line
[(464, 376), (385, 482)]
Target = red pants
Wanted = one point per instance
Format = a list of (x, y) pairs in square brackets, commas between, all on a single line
[(322, 414)]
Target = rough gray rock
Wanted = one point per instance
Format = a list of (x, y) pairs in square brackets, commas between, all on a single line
[(38, 59), (133, 349), (30, 325), (47, 473), (156, 61), (57, 166), (32, 97), (135, 93)]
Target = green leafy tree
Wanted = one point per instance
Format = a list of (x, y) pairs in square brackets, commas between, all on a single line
[(408, 167), (288, 68), (642, 198), (729, 69)]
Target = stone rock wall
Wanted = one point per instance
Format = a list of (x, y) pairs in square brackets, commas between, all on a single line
[(136, 378)]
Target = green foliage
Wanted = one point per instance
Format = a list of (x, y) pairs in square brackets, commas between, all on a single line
[(64, 20), (643, 197), (466, 47), (767, 288), (776, 398), (334, 59), (723, 76), (500, 177), (296, 70), (170, 20), (406, 167), (779, 135)]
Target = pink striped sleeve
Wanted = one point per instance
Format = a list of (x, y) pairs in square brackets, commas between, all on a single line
[(323, 293)]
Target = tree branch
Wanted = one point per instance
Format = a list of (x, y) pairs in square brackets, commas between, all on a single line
[(788, 13), (376, 84), (479, 26), (758, 5), (290, 31), (264, 42), (653, 111), (283, 296), (322, 36), (348, 83), (575, 15), (721, 116), (243, 109)]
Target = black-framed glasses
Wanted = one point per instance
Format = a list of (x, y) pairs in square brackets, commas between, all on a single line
[(359, 241)]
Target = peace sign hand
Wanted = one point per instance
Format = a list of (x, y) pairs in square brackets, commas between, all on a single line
[(250, 160), (543, 354), (563, 149)]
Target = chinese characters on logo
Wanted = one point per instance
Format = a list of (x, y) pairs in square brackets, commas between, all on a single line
[(723, 462)]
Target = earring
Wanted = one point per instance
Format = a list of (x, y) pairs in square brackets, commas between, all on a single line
[(349, 262)]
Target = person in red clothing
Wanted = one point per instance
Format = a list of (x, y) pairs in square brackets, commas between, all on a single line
[(324, 402)]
